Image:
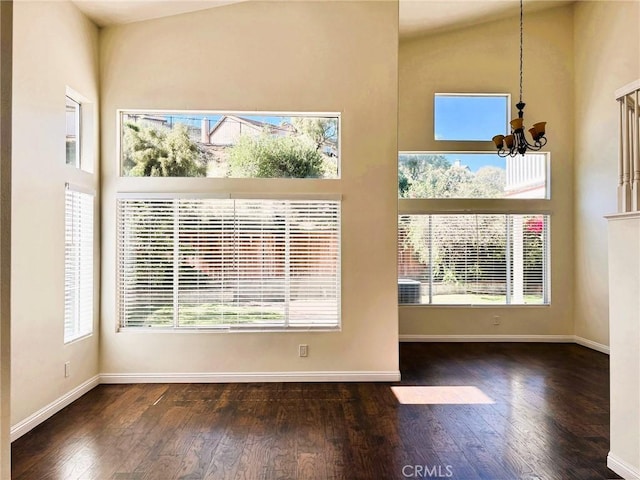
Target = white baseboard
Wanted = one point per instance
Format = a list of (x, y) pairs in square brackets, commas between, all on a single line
[(592, 345), (508, 338), (247, 377), (622, 468), (54, 407), (489, 338)]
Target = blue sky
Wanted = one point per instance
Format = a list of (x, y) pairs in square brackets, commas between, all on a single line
[(466, 117), (195, 118), (477, 160)]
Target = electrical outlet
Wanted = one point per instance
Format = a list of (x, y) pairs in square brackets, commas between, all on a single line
[(67, 369), (303, 350), (496, 319)]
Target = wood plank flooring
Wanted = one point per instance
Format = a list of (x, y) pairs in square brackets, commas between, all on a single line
[(548, 418)]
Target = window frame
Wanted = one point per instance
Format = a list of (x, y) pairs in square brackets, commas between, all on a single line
[(520, 202), (221, 187), (453, 206), (509, 264), (78, 113), (471, 94), (122, 111)]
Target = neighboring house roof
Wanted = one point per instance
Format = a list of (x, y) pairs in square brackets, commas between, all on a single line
[(147, 117), (250, 122)]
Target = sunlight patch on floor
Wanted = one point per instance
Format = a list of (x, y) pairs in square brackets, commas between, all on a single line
[(436, 395)]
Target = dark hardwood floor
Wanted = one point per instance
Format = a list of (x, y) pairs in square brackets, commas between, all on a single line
[(548, 418)]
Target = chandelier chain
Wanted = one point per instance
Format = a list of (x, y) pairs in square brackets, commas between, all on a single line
[(521, 41), (516, 142)]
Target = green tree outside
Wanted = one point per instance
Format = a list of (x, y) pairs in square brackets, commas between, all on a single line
[(156, 151), (268, 156)]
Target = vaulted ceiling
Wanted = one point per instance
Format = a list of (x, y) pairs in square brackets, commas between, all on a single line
[(417, 17)]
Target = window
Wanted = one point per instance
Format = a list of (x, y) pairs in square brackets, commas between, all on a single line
[(472, 259), (73, 149), (473, 227), (470, 117), (433, 175), (215, 144), (186, 263), (78, 279)]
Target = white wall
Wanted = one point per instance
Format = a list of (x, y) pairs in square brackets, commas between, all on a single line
[(607, 313), (269, 56), (484, 59), (604, 62), (624, 310), (55, 46)]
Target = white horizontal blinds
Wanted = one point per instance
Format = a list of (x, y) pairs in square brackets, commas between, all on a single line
[(78, 281), (229, 263), (146, 262), (470, 259), (313, 255), (206, 281), (528, 238), (260, 267), (414, 259)]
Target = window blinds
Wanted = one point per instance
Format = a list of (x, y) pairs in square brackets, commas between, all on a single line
[(228, 263), (473, 259), (78, 281)]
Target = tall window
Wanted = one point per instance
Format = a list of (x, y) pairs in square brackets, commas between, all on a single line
[(78, 274), (187, 263), (473, 227), (240, 259)]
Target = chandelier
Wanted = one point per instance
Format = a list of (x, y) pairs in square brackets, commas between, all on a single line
[(516, 143)]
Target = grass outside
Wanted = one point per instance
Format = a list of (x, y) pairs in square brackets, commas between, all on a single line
[(478, 299), (211, 314)]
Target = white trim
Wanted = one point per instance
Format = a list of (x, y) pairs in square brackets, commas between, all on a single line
[(623, 216), (77, 188), (228, 196), (54, 407), (245, 113), (627, 89), (509, 338), (451, 206), (248, 377), (489, 338), (622, 468), (585, 342)]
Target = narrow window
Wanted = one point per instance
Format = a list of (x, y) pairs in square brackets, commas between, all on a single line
[(78, 281), (73, 111)]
